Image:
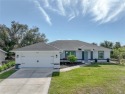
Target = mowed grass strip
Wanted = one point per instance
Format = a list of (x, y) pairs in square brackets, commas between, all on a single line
[(92, 79), (6, 74)]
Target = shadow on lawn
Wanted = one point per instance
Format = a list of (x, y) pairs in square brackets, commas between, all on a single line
[(99, 64), (55, 74)]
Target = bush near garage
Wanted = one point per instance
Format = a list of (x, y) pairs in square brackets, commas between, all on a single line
[(7, 65)]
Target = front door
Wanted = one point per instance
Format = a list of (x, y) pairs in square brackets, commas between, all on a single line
[(86, 56)]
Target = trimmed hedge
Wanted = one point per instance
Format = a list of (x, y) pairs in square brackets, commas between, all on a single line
[(6, 66)]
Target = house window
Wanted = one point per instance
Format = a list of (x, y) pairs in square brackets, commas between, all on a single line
[(100, 54), (67, 53)]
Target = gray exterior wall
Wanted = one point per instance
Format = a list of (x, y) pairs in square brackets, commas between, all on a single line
[(2, 56)]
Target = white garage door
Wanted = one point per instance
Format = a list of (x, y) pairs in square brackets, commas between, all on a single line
[(41, 59)]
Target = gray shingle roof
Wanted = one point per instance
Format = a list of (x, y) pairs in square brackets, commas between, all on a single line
[(60, 45), (37, 47), (74, 45)]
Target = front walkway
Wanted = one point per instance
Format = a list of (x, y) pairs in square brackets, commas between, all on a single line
[(27, 81), (70, 68)]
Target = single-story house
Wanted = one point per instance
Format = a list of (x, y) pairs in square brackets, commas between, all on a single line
[(46, 55), (2, 55)]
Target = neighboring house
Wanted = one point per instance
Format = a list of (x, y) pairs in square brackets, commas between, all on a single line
[(2, 56), (46, 55)]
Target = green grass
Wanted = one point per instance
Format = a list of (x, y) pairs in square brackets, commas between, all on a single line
[(92, 79), (6, 74)]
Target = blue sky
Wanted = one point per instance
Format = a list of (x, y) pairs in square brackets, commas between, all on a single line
[(86, 20)]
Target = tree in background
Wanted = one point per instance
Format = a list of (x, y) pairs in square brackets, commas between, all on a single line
[(32, 36), (94, 43), (19, 35), (117, 45), (119, 54), (107, 44)]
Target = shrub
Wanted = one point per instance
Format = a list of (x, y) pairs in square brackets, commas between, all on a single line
[(8, 65), (12, 63), (1, 69), (122, 61), (72, 58), (4, 67)]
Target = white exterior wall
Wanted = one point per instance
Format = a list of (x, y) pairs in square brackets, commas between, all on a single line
[(18, 60), (95, 55), (106, 54), (56, 59), (62, 55), (89, 54), (2, 56), (79, 54), (44, 58)]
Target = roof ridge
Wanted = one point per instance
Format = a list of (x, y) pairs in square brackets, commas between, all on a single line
[(77, 42), (95, 46), (53, 46)]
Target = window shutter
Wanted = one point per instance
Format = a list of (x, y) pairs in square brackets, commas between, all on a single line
[(82, 55)]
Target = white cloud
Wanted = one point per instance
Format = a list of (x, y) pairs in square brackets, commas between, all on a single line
[(85, 5), (61, 7), (46, 3), (43, 12), (120, 8), (71, 17), (101, 11)]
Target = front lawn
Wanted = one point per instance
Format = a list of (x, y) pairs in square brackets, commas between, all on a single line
[(92, 79), (6, 74)]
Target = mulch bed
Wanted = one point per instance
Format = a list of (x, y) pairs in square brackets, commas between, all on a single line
[(65, 65)]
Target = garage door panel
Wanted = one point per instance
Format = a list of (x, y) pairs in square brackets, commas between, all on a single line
[(37, 60)]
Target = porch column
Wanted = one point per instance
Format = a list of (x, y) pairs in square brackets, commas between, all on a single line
[(91, 55)]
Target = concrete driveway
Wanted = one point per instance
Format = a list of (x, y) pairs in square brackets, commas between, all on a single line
[(27, 81)]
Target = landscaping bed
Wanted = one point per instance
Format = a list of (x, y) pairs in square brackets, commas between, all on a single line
[(7, 66), (104, 78), (67, 64)]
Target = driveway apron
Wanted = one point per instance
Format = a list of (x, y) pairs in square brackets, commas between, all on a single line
[(27, 81)]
